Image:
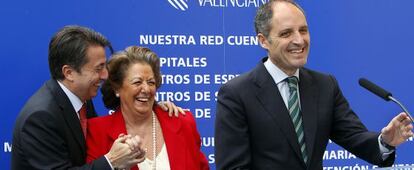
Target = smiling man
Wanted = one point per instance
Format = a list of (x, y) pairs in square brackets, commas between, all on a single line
[(281, 115), (50, 131)]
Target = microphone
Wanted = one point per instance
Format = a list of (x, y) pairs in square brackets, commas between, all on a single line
[(384, 94), (373, 88)]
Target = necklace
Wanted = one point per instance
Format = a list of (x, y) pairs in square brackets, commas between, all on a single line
[(154, 142)]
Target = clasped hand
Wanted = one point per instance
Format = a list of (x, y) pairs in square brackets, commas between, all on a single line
[(126, 152)]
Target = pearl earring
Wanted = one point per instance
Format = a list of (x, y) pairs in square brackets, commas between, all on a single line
[(117, 94)]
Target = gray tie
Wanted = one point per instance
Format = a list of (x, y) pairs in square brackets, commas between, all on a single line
[(295, 115)]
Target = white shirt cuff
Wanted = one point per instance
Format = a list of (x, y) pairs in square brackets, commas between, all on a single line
[(385, 152), (109, 162)]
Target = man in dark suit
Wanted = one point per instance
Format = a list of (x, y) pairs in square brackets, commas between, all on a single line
[(281, 115), (48, 132)]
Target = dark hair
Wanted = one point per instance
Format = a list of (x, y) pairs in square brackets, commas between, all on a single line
[(264, 14), (69, 47), (118, 65)]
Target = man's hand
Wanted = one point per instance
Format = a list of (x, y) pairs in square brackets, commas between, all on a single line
[(125, 152), (171, 108), (398, 130), (135, 143)]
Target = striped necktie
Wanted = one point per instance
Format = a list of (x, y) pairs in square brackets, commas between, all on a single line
[(295, 115)]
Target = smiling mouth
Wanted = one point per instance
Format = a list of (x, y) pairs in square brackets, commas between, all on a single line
[(142, 99), (297, 51)]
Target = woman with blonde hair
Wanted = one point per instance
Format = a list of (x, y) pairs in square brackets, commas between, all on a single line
[(170, 143)]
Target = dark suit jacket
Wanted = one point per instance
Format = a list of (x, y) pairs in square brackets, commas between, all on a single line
[(253, 129), (48, 135), (180, 135)]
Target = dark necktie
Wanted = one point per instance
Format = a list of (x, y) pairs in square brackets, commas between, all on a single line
[(83, 119), (295, 115)]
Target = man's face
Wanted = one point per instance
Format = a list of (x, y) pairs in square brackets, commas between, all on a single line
[(87, 82), (289, 40)]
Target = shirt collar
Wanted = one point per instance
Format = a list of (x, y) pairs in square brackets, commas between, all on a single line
[(277, 74), (74, 100)]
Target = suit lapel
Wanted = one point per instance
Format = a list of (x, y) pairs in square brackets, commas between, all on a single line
[(308, 98), (118, 125), (69, 113), (269, 96), (174, 141)]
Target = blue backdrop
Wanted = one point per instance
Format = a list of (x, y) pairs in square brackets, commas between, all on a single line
[(203, 43)]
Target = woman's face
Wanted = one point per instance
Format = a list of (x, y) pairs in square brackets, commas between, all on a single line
[(137, 93)]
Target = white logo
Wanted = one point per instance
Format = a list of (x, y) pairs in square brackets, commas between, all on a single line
[(183, 6), (179, 4)]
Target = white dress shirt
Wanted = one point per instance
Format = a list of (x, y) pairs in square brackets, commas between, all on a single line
[(74, 100)]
